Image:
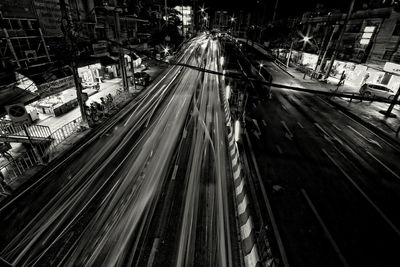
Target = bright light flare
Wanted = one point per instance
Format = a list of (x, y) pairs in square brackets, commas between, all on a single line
[(237, 130), (222, 59), (228, 92)]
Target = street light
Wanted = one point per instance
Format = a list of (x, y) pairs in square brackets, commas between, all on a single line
[(259, 70)]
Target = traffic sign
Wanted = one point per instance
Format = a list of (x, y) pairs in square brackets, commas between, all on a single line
[(17, 113)]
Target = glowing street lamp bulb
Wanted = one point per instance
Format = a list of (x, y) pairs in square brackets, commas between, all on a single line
[(205, 18), (228, 92), (166, 50), (261, 65), (306, 39), (202, 9)]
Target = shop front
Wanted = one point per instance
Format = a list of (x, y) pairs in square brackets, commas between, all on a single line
[(90, 76)]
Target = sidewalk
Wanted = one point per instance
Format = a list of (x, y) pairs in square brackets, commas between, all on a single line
[(24, 165), (366, 111)]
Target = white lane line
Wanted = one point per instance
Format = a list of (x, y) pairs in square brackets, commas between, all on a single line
[(336, 127), (174, 172), (279, 149), (365, 138), (254, 105), (320, 128), (284, 107), (112, 189), (287, 129), (256, 124), (153, 252), (384, 165), (377, 209), (325, 229), (300, 125), (264, 123)]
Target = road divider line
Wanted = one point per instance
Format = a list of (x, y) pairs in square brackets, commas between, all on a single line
[(372, 203), (279, 149), (300, 125), (363, 137), (384, 165), (287, 128), (324, 228), (264, 123), (174, 172)]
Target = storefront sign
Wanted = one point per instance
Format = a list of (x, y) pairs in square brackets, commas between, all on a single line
[(53, 87), (100, 48), (392, 68), (49, 14)]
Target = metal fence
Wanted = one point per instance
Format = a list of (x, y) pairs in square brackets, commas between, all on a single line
[(8, 129), (28, 160)]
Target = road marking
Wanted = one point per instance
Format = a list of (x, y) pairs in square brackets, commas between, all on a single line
[(385, 218), (384, 165), (254, 105), (365, 138), (336, 127), (109, 192), (284, 107), (287, 129), (256, 124), (279, 149), (300, 125), (174, 172), (264, 123), (321, 129), (326, 231), (153, 252)]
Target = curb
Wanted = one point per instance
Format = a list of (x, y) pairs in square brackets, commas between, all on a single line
[(245, 221), (366, 124)]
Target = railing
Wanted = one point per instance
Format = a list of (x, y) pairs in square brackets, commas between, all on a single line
[(8, 129), (28, 160)]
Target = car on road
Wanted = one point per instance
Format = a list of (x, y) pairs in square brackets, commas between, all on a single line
[(140, 78), (376, 90)]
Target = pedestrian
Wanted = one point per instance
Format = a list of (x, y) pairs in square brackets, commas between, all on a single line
[(342, 79), (365, 78)]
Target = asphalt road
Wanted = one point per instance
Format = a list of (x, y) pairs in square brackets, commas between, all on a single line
[(158, 174), (334, 185)]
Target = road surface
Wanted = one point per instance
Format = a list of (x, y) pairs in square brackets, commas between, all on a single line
[(107, 204)]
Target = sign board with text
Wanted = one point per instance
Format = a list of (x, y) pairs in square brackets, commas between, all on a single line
[(392, 68), (54, 87), (49, 15)]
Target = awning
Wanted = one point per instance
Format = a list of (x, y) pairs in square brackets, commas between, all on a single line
[(108, 60)]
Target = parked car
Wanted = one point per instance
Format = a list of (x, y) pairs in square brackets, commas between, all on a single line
[(377, 90), (141, 78), (91, 85)]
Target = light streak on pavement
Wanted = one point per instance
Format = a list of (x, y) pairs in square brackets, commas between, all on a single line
[(121, 183)]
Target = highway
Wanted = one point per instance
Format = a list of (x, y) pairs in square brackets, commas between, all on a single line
[(154, 187), (334, 185)]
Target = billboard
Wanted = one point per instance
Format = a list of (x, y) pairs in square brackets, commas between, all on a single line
[(53, 87), (17, 8), (49, 16)]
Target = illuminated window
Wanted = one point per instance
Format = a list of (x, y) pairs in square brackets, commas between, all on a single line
[(367, 35)]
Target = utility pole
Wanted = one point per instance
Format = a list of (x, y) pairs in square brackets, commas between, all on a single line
[(336, 51), (73, 53), (394, 101), (166, 12), (321, 47), (121, 50), (290, 54), (183, 24), (275, 9), (328, 46)]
